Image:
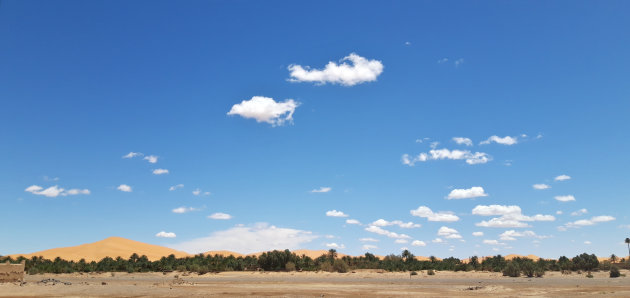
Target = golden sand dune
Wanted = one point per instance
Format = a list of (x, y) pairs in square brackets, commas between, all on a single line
[(111, 247), (513, 256)]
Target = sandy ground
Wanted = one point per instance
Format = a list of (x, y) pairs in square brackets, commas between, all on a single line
[(321, 284)]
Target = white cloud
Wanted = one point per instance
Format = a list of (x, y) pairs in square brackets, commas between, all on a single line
[(55, 191), (220, 215), (368, 240), (384, 223), (579, 212), (124, 188), (132, 155), (463, 141), (562, 178), (426, 212), (160, 171), (587, 242), (360, 70), (511, 235), (459, 62), (401, 241), (507, 140), (198, 192), (352, 222), (335, 213), (151, 158), (321, 190), (368, 247), (441, 154), (449, 233), (407, 43), (381, 231), (510, 216), (265, 109), (559, 212), (541, 186), (437, 240), (586, 222), (164, 234), (335, 245), (566, 198), (249, 239), (473, 192), (174, 187), (418, 243), (184, 209), (443, 60), (492, 242)]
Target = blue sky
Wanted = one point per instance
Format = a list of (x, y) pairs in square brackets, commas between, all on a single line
[(251, 106)]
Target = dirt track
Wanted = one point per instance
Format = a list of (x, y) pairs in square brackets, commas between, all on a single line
[(360, 283)]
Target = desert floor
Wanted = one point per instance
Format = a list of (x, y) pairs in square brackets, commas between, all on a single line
[(318, 284)]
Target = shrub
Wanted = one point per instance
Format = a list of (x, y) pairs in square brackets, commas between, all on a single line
[(512, 270), (430, 272), (528, 269), (290, 266), (326, 266), (340, 266), (413, 273), (614, 271), (539, 272), (589, 275)]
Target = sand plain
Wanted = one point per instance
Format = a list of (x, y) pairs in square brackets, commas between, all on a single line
[(364, 283)]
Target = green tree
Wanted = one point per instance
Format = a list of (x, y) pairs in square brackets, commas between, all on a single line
[(628, 243), (613, 258)]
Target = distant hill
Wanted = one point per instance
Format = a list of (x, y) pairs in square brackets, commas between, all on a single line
[(110, 247)]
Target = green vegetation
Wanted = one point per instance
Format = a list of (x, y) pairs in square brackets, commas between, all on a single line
[(614, 271), (287, 261)]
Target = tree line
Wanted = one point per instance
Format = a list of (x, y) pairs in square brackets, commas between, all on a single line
[(287, 261)]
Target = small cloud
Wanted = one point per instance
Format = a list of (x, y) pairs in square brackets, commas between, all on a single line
[(164, 234), (160, 171), (507, 140), (132, 155), (151, 158), (567, 198), (321, 190), (559, 212), (368, 247), (220, 215), (463, 141), (449, 233), (124, 188), (586, 222), (418, 243), (587, 242), (579, 212), (335, 213), (541, 186), (55, 191), (335, 245), (562, 178), (381, 231), (198, 192), (477, 234), (265, 109), (368, 240), (437, 240), (360, 70), (406, 225), (492, 242), (401, 241), (458, 62), (175, 187), (407, 43), (443, 60), (352, 222), (442, 154), (184, 209), (426, 212), (469, 193)]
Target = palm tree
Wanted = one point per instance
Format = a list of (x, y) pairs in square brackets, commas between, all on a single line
[(332, 254), (407, 255), (628, 243), (613, 258)]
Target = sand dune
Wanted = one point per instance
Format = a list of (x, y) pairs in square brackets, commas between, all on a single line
[(111, 247)]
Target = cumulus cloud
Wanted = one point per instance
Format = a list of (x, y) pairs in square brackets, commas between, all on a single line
[(174, 187), (360, 70), (511, 235), (507, 140), (567, 198), (441, 154), (381, 231), (510, 216), (468, 193), (401, 241), (586, 222), (579, 212), (492, 242), (132, 155), (55, 191), (459, 62), (477, 234), (418, 243), (437, 240), (220, 216), (384, 223), (321, 190), (335, 245), (160, 171), (249, 239), (449, 233), (426, 212), (463, 141), (164, 234), (368, 240), (124, 188), (369, 246), (353, 222), (562, 178), (335, 213), (541, 186), (587, 242), (265, 109), (198, 192), (151, 158), (184, 209)]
